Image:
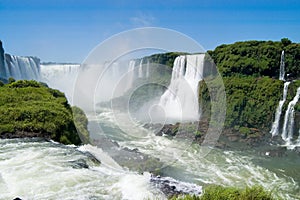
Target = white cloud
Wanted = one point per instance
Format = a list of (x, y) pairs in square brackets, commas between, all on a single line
[(142, 19)]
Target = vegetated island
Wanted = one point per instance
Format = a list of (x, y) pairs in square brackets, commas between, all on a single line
[(32, 109)]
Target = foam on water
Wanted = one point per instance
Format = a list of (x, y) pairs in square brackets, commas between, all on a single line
[(32, 169), (227, 168)]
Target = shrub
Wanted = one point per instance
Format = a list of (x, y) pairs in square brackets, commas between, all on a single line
[(215, 192)]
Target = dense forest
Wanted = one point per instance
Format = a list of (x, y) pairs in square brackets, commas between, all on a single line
[(257, 58)]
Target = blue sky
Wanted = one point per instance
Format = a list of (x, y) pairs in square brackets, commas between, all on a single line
[(67, 30)]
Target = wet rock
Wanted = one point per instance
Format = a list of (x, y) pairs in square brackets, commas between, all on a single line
[(79, 164), (278, 152), (171, 187)]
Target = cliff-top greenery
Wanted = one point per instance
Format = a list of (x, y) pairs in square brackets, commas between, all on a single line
[(257, 58), (31, 109), (250, 72)]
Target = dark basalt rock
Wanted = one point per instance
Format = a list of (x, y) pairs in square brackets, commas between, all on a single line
[(24, 134), (79, 164), (276, 152), (171, 187), (197, 131)]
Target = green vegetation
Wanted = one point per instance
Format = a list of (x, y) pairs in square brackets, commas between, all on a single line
[(230, 193), (164, 58), (251, 102), (250, 73), (81, 123), (30, 108), (257, 58), (143, 94)]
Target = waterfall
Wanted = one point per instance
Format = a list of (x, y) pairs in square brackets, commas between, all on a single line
[(2, 61), (275, 126), (148, 69), (141, 69), (20, 67), (288, 125), (180, 100), (282, 67), (60, 76), (130, 75)]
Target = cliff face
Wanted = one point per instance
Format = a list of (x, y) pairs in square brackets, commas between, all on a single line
[(2, 67)]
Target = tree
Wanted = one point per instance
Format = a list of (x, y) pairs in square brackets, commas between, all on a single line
[(286, 41)]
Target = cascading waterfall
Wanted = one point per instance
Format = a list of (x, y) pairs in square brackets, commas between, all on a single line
[(130, 75), (288, 125), (148, 69), (49, 71), (275, 126), (141, 69), (180, 100), (282, 67), (22, 67), (18, 67), (60, 76)]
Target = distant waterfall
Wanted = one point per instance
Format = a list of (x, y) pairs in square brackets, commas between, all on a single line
[(148, 69), (275, 127), (288, 125), (60, 76), (20, 67), (180, 100), (141, 69), (282, 67), (130, 75)]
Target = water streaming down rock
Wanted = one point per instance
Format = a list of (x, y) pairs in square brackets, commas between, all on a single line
[(141, 69), (148, 69), (60, 76), (20, 67), (63, 77), (275, 126), (282, 67), (130, 75), (288, 125), (180, 100), (2, 65)]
